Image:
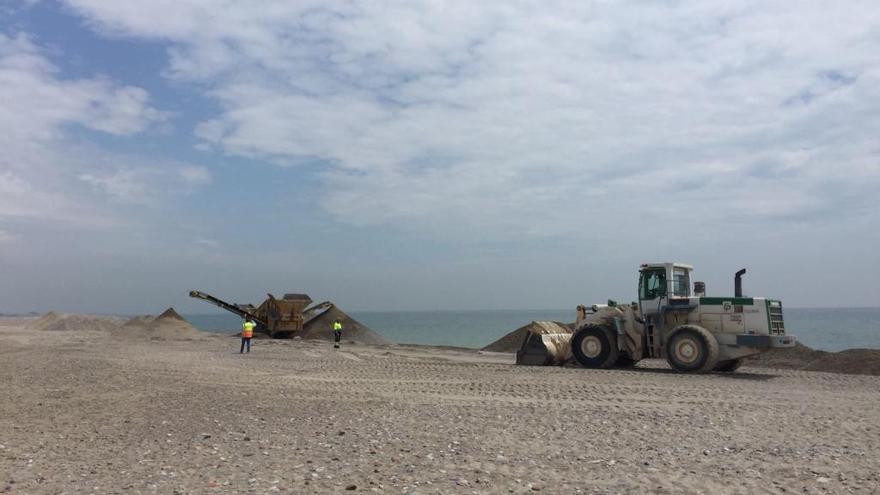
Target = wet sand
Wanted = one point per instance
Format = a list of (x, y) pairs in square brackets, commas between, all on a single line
[(93, 412)]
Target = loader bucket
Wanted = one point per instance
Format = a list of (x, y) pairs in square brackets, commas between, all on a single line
[(545, 343)]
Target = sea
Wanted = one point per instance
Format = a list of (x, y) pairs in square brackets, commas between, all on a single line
[(829, 329)]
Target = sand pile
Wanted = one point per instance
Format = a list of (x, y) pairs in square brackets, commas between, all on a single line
[(319, 325), (65, 322), (137, 322), (167, 326), (801, 357), (44, 321), (514, 340)]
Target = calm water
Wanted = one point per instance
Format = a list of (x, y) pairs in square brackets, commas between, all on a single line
[(827, 329)]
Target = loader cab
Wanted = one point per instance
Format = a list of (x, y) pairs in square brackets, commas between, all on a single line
[(660, 282)]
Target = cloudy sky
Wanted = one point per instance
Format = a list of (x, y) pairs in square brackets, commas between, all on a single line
[(435, 154)]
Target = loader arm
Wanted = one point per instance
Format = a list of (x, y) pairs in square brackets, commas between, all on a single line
[(232, 308)]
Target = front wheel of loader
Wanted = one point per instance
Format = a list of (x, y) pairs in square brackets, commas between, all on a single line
[(729, 366), (595, 346), (692, 349)]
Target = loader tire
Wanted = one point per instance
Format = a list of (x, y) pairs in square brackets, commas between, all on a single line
[(595, 346), (693, 349), (729, 366)]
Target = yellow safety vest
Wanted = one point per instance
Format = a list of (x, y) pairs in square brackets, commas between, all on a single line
[(247, 329), (337, 325)]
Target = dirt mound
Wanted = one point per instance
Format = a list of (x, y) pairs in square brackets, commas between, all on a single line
[(514, 340), (170, 314), (137, 322), (510, 342), (44, 321), (65, 322), (801, 357), (17, 321), (167, 326), (319, 325), (170, 325)]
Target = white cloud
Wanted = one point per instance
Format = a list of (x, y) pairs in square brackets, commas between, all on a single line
[(498, 119), (10, 7), (36, 102), (195, 174), (126, 185), (12, 184), (122, 112), (146, 184), (45, 196), (43, 169)]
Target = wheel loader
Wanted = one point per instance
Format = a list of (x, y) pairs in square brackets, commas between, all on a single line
[(693, 332)]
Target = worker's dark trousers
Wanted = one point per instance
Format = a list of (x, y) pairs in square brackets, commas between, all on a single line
[(245, 341), (337, 335)]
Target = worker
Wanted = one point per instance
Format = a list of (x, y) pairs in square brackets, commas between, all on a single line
[(247, 333), (337, 333)]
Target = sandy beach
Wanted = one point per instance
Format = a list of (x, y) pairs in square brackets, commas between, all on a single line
[(98, 412)]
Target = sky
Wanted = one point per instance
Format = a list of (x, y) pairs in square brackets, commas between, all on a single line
[(432, 155)]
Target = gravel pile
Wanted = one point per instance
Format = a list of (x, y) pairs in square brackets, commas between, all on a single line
[(319, 326), (167, 326), (801, 357), (64, 322), (513, 340)]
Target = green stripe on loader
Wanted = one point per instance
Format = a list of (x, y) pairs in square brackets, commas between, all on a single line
[(736, 301)]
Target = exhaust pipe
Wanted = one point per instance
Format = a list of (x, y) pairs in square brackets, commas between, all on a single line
[(738, 283)]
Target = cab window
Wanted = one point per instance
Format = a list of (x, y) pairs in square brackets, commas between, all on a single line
[(653, 284), (680, 283)]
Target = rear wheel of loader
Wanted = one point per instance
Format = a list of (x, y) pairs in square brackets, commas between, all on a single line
[(595, 346), (692, 349), (729, 366)]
